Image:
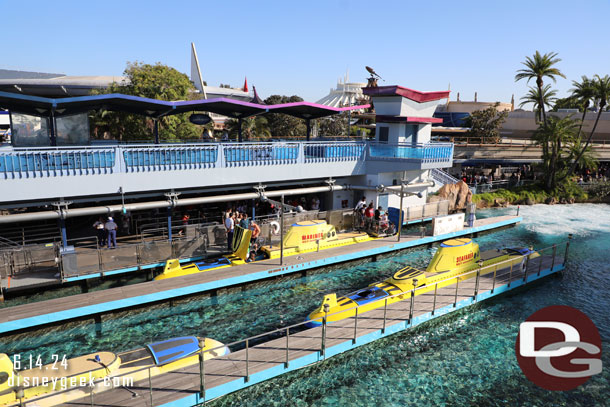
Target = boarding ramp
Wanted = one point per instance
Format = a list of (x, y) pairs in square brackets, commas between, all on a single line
[(27, 259), (189, 242), (49, 263)]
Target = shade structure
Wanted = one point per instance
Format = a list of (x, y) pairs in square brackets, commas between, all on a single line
[(49, 107), (308, 110), (46, 107), (227, 107)]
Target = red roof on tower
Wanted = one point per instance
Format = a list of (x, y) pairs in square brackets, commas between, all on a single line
[(412, 94), (246, 84)]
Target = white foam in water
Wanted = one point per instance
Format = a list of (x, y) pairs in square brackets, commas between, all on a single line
[(559, 220)]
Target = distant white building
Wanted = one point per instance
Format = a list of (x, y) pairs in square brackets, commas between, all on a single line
[(346, 93)]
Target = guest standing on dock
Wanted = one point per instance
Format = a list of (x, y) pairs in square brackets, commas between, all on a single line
[(100, 231), (111, 228), (230, 226)]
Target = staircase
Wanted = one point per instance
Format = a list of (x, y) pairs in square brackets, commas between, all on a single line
[(441, 178)]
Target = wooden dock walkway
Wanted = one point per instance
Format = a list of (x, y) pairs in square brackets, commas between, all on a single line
[(302, 347), (94, 303)]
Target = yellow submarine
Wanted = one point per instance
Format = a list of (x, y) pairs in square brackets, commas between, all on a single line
[(241, 247), (46, 385), (454, 258), (302, 237), (313, 235)]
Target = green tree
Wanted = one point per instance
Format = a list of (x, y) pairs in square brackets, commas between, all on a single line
[(252, 128), (333, 126), (532, 96), (485, 124), (156, 82), (582, 93), (282, 125), (601, 94), (557, 137), (538, 67)]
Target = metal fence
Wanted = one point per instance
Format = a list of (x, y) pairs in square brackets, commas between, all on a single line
[(397, 309), (27, 259), (198, 241)]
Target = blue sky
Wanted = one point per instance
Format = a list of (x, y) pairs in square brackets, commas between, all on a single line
[(301, 48)]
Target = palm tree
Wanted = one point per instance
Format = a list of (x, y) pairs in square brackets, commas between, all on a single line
[(532, 96), (583, 91), (601, 94), (540, 66), (553, 136)]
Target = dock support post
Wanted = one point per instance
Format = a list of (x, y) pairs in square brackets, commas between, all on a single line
[(98, 325), (476, 284), (385, 311), (401, 213), (525, 267), (493, 284), (64, 236), (355, 326), (323, 351), (457, 282), (169, 223), (553, 260), (540, 263), (201, 372), (286, 364), (565, 256), (412, 302), (282, 232), (434, 303), (247, 378)]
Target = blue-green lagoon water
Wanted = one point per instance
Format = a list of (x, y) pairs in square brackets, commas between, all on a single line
[(458, 360)]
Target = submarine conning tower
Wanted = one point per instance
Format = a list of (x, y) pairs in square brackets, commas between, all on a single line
[(454, 254)]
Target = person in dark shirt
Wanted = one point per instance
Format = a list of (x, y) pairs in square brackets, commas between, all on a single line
[(378, 218)]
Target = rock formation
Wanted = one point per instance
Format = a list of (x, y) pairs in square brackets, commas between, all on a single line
[(458, 195)]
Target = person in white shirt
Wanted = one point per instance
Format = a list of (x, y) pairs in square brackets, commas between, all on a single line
[(315, 204), (230, 227)]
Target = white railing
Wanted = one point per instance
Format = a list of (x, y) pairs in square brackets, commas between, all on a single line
[(61, 161)]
